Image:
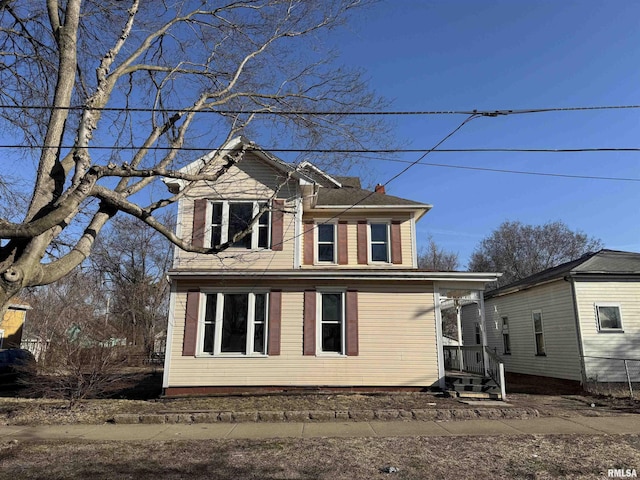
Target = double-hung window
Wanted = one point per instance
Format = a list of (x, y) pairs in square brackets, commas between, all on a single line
[(331, 325), (379, 242), (326, 243), (536, 315), (506, 341), (231, 218), (234, 323), (609, 317)]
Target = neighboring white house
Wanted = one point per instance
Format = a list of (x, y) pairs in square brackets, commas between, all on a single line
[(578, 321)]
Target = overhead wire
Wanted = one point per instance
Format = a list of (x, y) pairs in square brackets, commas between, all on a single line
[(485, 112)]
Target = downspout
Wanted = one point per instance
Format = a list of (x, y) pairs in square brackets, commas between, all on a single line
[(576, 317), (439, 347)]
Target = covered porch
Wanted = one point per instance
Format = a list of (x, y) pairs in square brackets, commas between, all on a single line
[(468, 366)]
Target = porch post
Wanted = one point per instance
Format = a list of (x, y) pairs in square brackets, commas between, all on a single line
[(459, 322), (483, 324)]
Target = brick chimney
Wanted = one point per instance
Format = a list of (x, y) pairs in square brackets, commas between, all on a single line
[(379, 188)]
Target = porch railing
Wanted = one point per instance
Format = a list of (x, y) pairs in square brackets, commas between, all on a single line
[(464, 359), (495, 369), (471, 359)]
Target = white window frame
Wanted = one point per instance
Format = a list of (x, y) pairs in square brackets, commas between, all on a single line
[(505, 333), (597, 306), (319, 322), (1, 337), (219, 320), (541, 332), (317, 244), (224, 234), (370, 241)]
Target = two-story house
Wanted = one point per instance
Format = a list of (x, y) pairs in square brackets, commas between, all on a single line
[(323, 292)]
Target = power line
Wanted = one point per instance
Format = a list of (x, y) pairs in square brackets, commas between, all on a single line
[(350, 150), (487, 113), (520, 172)]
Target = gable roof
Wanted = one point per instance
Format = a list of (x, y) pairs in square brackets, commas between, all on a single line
[(601, 263), (334, 191)]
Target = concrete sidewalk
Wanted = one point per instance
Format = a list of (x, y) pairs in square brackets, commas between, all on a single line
[(623, 424)]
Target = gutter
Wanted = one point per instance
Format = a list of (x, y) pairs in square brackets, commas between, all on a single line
[(337, 274)]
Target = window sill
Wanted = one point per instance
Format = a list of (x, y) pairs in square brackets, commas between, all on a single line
[(330, 355), (230, 355), (541, 354), (507, 353), (610, 330)]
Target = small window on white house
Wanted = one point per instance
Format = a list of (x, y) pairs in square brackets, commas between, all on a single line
[(536, 315), (609, 317), (506, 341), (231, 218), (331, 323), (379, 242), (234, 323), (326, 243), (478, 333)]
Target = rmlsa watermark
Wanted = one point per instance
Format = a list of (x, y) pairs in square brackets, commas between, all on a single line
[(622, 473)]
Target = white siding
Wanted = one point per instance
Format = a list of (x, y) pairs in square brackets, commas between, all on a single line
[(620, 345), (397, 347), (555, 300)]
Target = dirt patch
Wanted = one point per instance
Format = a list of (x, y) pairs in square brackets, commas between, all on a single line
[(502, 457)]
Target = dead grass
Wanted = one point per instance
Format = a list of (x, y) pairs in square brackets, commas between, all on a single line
[(142, 396), (502, 457)]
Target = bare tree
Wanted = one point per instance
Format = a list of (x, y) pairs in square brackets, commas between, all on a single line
[(436, 258), (133, 259), (78, 356), (108, 95), (518, 250)]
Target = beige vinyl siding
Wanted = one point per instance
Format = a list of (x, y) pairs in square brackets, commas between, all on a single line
[(612, 344), (555, 300), (352, 241), (397, 347), (250, 179)]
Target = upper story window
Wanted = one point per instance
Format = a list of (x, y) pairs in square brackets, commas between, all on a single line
[(234, 323), (231, 218), (536, 315), (379, 242), (609, 317), (326, 243)]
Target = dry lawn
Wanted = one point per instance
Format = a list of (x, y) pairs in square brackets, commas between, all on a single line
[(522, 457), (140, 394)]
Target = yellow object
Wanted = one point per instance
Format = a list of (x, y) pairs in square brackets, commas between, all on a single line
[(12, 324)]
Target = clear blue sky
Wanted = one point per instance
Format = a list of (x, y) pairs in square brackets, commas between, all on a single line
[(509, 54)]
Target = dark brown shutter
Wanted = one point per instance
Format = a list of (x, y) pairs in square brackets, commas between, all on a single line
[(199, 222), (275, 315), (343, 244), (352, 322), (277, 224), (309, 329), (362, 243), (191, 324), (396, 243), (308, 241)]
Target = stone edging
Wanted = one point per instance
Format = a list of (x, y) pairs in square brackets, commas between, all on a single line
[(327, 416)]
